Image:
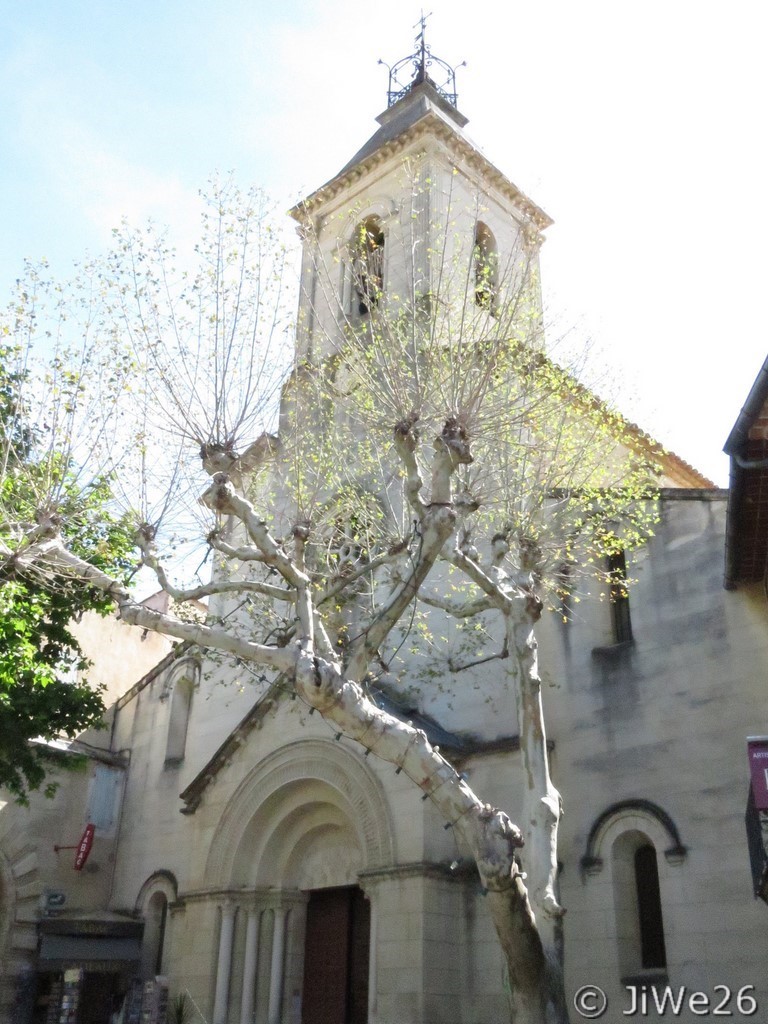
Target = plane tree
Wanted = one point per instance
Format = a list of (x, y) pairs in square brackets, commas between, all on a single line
[(427, 459), (44, 692)]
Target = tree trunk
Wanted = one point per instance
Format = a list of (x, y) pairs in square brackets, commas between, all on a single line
[(488, 832), (541, 801)]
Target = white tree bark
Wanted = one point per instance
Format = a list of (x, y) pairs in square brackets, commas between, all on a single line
[(520, 607), (525, 923), (542, 805)]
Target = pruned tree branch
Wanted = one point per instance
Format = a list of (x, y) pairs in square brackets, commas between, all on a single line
[(463, 610), (244, 553), (456, 356), (222, 497), (348, 577), (145, 537), (406, 442)]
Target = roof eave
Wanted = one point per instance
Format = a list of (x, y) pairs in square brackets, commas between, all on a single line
[(735, 447), (755, 400)]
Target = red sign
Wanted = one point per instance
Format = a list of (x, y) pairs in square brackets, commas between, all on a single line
[(84, 847), (758, 770)]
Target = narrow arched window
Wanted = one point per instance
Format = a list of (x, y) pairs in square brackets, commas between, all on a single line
[(367, 266), (155, 899), (181, 705), (154, 935), (485, 260)]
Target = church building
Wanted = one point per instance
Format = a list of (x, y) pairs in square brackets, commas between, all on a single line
[(274, 874)]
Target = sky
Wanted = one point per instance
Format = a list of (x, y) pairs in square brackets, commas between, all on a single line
[(639, 128)]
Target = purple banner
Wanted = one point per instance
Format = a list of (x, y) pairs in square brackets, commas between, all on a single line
[(758, 770)]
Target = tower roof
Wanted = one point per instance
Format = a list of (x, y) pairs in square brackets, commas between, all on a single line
[(420, 100), (422, 110)]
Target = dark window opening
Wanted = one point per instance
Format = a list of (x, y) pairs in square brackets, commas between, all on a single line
[(161, 938), (652, 951), (155, 921), (621, 622)]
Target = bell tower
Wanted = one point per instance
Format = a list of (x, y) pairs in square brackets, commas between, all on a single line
[(418, 211)]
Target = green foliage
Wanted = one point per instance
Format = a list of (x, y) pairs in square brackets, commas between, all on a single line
[(42, 693), (180, 1010)]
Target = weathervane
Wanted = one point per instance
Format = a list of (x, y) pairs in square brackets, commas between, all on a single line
[(421, 59)]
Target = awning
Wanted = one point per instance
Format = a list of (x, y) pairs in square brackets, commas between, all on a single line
[(87, 947), (98, 942)]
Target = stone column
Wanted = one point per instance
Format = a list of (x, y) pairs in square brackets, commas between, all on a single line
[(293, 958), (224, 964), (278, 966), (250, 961)]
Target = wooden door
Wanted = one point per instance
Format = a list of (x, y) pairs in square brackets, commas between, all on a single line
[(335, 987)]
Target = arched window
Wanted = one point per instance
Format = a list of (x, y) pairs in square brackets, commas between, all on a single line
[(630, 836), (367, 266), (485, 260), (618, 631), (157, 892), (155, 920), (178, 720)]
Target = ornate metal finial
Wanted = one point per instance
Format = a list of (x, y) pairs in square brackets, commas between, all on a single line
[(421, 59)]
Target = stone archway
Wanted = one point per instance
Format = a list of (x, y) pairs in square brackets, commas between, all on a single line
[(157, 893), (305, 797)]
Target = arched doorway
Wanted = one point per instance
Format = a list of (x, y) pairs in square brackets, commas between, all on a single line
[(295, 933)]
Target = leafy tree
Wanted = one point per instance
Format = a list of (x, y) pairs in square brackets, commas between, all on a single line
[(431, 462), (43, 692)]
